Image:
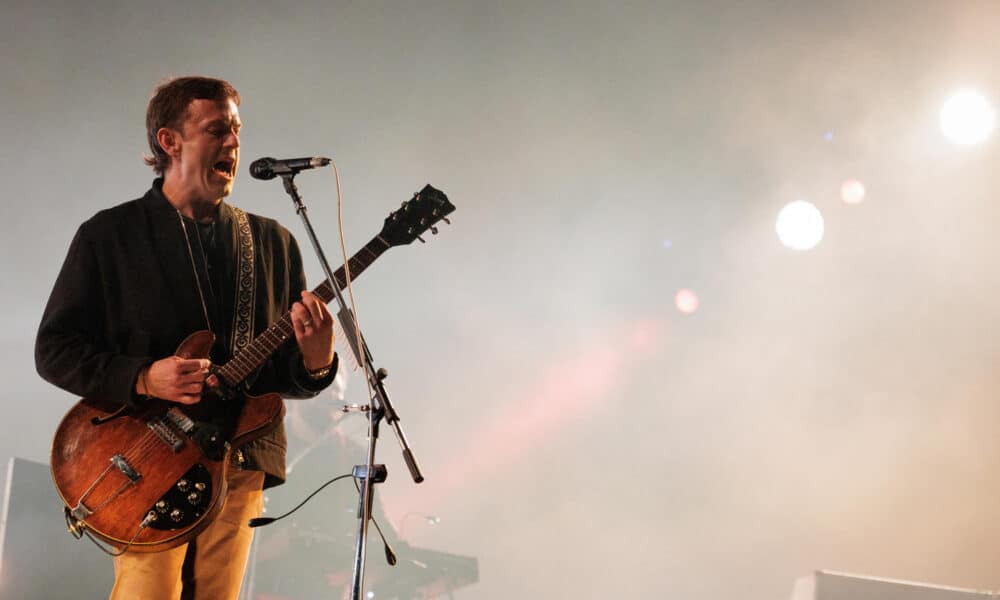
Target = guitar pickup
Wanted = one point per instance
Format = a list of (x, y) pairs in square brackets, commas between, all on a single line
[(180, 420), (166, 434), (119, 461)]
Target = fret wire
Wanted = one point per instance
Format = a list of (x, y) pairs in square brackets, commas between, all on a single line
[(256, 353), (257, 356), (266, 340), (245, 366), (275, 337), (269, 335), (250, 353)]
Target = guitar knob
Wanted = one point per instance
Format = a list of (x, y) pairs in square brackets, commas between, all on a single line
[(162, 506), (183, 485), (199, 486), (194, 497), (434, 230), (445, 219), (177, 514)]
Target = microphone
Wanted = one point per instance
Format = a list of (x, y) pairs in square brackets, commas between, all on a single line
[(269, 168)]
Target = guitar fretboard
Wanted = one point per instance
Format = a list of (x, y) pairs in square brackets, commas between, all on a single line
[(265, 344)]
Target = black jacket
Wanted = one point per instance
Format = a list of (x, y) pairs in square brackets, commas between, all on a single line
[(127, 295)]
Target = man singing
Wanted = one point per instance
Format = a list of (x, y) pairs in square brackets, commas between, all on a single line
[(143, 275)]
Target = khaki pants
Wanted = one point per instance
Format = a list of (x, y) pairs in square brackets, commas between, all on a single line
[(209, 567)]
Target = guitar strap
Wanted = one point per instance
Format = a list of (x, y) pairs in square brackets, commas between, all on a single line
[(246, 288)]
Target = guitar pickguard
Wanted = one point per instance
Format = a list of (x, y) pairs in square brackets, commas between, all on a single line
[(184, 503)]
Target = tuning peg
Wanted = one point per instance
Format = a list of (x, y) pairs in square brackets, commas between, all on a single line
[(434, 230), (445, 219), (421, 240)]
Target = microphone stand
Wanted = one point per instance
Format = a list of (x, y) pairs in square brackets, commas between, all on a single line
[(369, 473)]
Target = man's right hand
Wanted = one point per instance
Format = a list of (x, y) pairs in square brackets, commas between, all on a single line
[(174, 378)]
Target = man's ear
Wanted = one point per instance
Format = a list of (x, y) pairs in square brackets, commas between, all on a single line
[(169, 140)]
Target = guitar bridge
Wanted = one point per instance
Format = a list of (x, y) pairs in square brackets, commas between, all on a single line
[(119, 461)]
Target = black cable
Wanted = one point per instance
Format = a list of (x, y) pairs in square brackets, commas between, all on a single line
[(261, 521), (390, 556)]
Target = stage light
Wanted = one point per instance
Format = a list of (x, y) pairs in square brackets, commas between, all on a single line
[(967, 118), (686, 301), (799, 225), (852, 192)]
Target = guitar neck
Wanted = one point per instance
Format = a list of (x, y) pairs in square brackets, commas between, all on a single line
[(265, 344)]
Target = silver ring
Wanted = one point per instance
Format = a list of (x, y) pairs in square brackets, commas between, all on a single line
[(306, 323)]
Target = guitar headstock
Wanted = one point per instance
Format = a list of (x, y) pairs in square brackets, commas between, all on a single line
[(417, 215)]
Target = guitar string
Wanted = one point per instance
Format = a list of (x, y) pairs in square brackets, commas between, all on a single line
[(142, 451), (134, 461)]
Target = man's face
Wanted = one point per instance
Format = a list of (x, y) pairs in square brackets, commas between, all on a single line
[(209, 149)]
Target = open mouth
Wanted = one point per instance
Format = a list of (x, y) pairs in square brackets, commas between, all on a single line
[(225, 168)]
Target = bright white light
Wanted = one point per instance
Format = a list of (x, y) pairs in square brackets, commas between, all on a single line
[(967, 118), (799, 225), (686, 301), (852, 192)]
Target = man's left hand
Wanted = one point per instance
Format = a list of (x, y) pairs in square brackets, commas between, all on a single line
[(313, 325)]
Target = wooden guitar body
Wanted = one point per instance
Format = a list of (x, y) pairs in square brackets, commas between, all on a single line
[(158, 465)]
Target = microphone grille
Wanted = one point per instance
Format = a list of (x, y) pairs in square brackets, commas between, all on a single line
[(261, 168)]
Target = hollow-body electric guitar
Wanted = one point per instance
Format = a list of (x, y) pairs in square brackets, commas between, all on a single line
[(150, 478)]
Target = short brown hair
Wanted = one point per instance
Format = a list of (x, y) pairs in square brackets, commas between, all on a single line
[(169, 107)]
